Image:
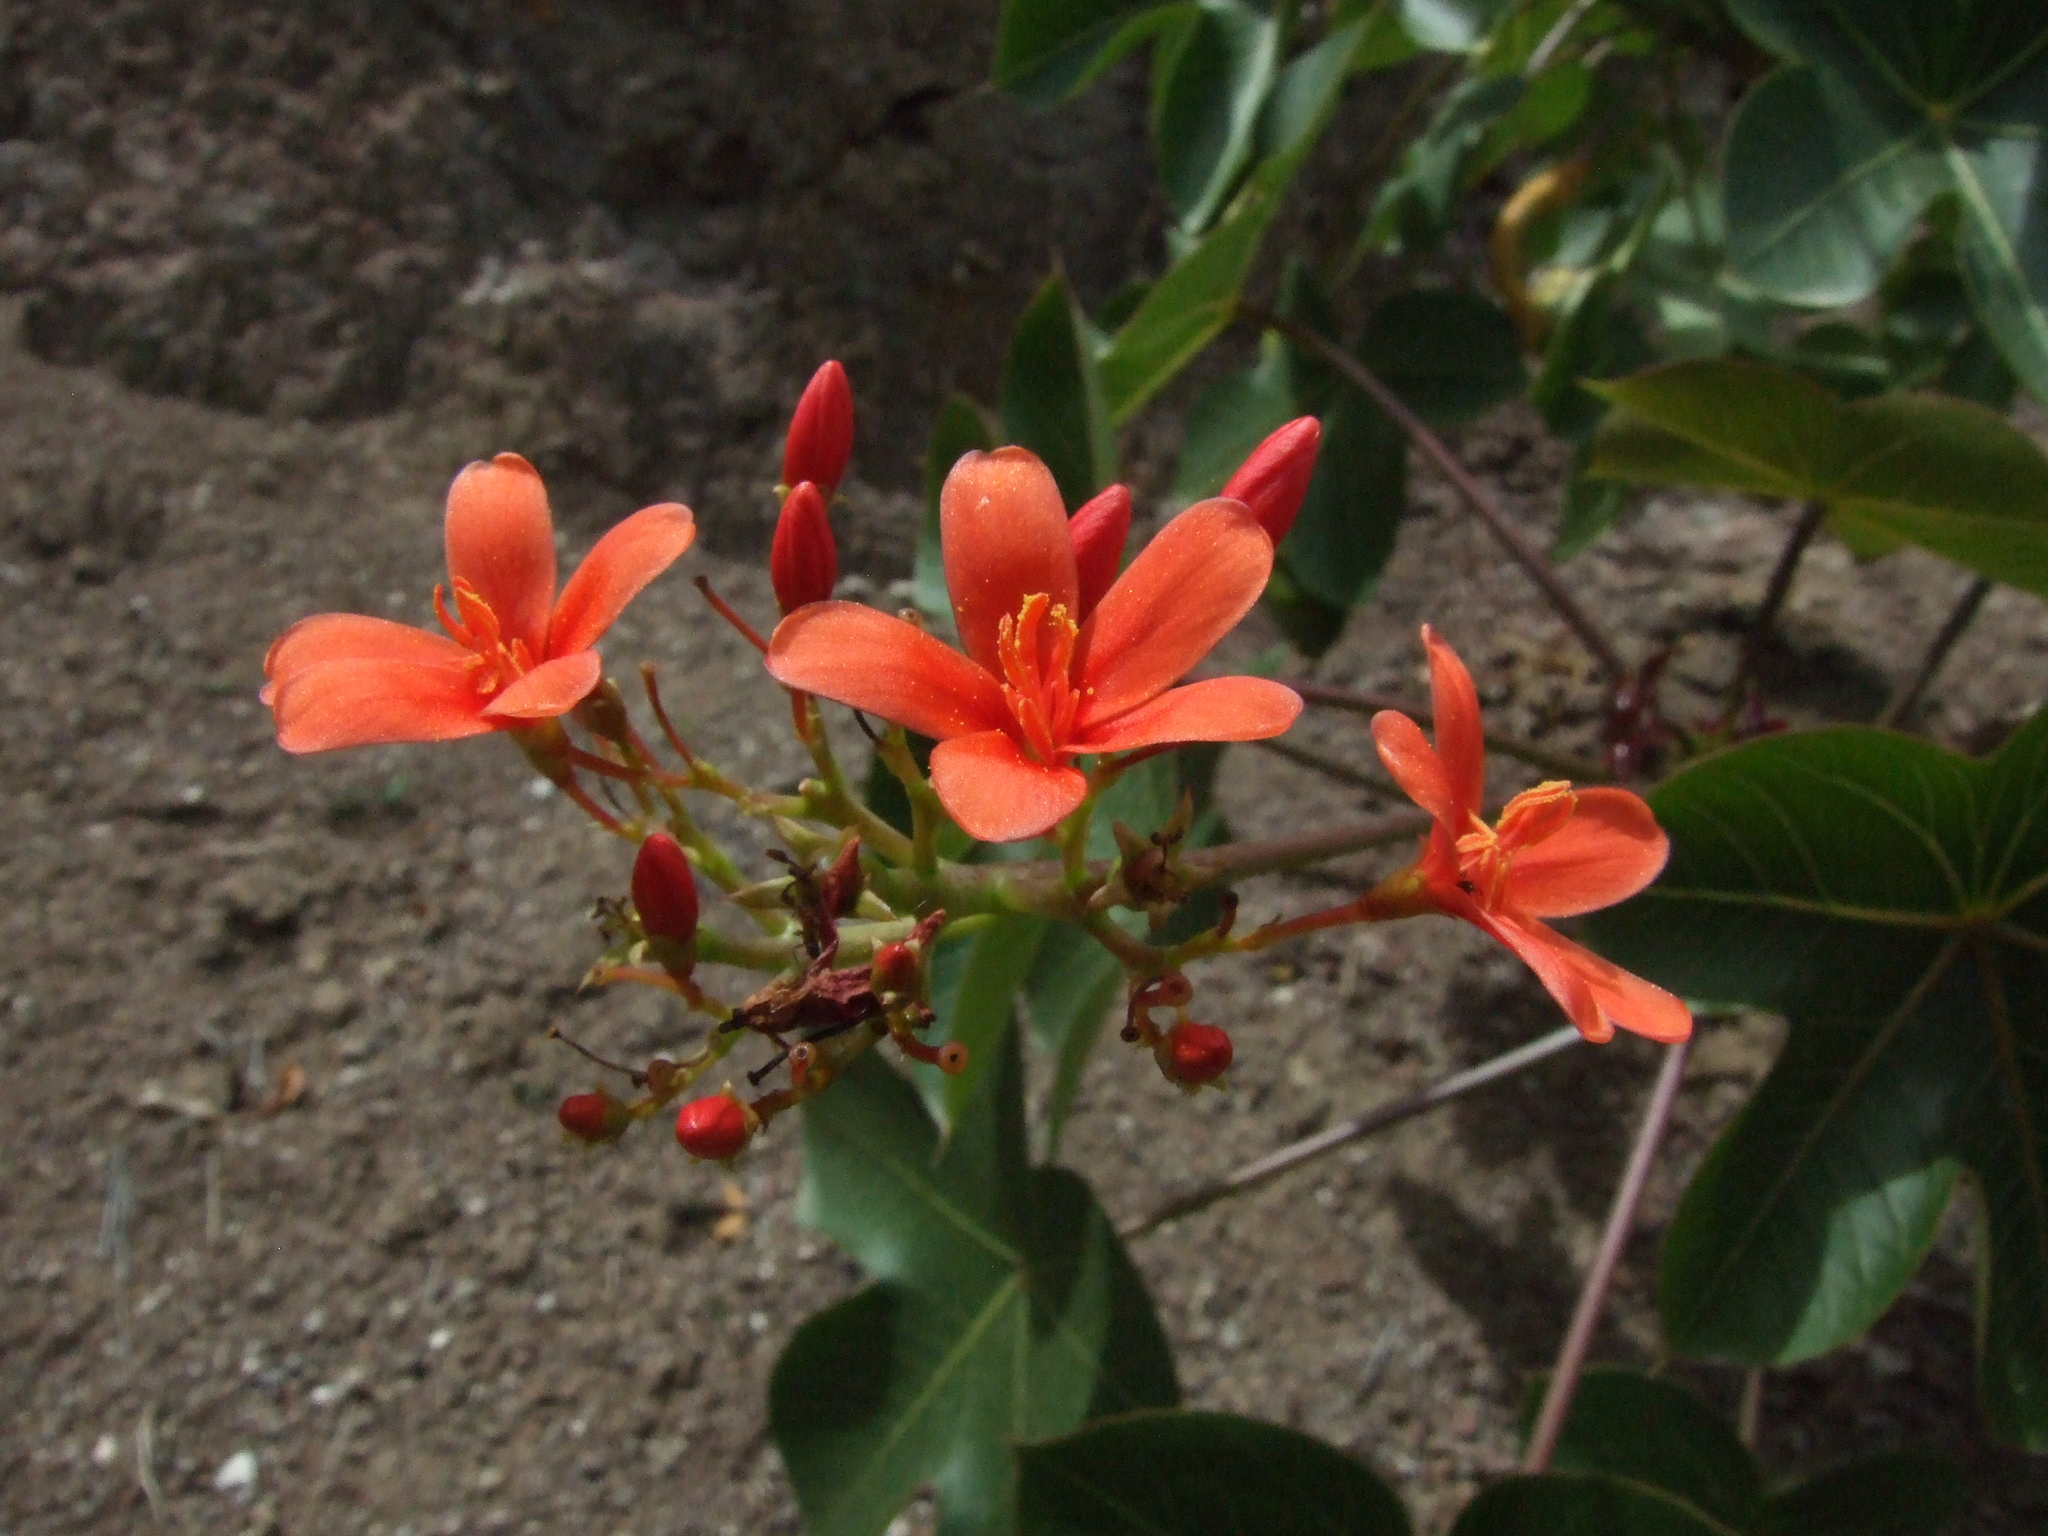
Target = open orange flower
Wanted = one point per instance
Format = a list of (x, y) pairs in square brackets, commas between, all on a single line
[(1555, 852), (514, 652), (1038, 686)]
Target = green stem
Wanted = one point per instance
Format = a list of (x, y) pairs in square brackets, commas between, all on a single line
[(926, 814)]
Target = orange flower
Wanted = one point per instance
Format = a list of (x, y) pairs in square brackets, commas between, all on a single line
[(1038, 685), (514, 652), (1555, 852)]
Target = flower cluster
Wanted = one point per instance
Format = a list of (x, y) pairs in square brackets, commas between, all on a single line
[(1065, 666)]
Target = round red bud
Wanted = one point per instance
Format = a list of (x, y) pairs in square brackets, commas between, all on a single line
[(1197, 1053), (820, 431), (1273, 481), (715, 1128), (894, 969), (593, 1117), (1098, 533), (665, 890), (803, 562), (952, 1058)]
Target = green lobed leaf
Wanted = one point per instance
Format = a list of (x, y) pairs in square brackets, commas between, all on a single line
[(1880, 108), (1945, 474), (1210, 81), (1891, 900), (1003, 1309), (1052, 398), (1199, 1474)]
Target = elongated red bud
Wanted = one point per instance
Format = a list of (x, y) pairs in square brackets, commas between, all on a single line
[(715, 1128), (1196, 1053), (803, 563), (1098, 532), (894, 969), (593, 1117), (820, 431), (1273, 481), (665, 890)]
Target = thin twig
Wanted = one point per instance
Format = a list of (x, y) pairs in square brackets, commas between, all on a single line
[(1901, 703), (1476, 496), (1749, 1415), (1776, 590), (1329, 767), (1361, 702), (1271, 1166), (1621, 1224)]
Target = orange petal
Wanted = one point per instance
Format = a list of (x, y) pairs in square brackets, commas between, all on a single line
[(996, 793), (1598, 994), (1460, 733), (1610, 849), (365, 703), (1417, 769), (353, 637), (1003, 529), (1186, 590), (501, 541), (550, 689), (618, 566), (1218, 709), (876, 662)]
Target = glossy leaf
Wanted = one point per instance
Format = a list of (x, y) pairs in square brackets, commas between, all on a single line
[(1046, 49), (974, 982), (1922, 469), (1413, 207), (1658, 1435), (1210, 80), (1052, 400), (1199, 1474), (1880, 108), (1003, 1309), (1344, 534), (1891, 900), (1449, 26)]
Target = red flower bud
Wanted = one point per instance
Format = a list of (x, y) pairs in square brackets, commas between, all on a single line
[(593, 1117), (1098, 532), (894, 969), (820, 431), (803, 563), (1275, 478), (716, 1128), (664, 890), (1196, 1053)]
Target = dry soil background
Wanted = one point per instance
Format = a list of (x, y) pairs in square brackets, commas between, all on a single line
[(279, 272)]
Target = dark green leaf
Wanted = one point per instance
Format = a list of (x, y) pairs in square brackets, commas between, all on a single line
[(1384, 41), (1923, 469), (1074, 982), (1899, 1495), (1414, 205), (1004, 1310), (1046, 49), (1883, 106), (1594, 335), (974, 984), (1576, 1504), (1591, 507), (1891, 900), (1311, 625), (1232, 417), (1307, 91), (1210, 79), (960, 429), (1344, 534), (1053, 397), (1448, 353), (1658, 1435), (1199, 1474)]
